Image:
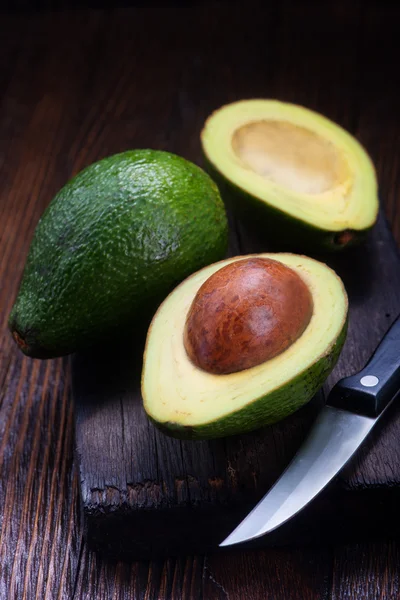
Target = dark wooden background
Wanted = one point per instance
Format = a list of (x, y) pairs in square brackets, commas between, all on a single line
[(76, 85)]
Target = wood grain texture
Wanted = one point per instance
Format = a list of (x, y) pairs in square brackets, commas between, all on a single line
[(118, 82), (366, 571), (39, 511)]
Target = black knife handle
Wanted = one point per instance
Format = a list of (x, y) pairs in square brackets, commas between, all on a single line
[(370, 391)]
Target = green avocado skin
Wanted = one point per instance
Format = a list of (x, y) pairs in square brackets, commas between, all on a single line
[(278, 228), (265, 410), (111, 245)]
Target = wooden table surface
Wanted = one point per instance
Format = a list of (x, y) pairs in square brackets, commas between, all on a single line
[(77, 85)]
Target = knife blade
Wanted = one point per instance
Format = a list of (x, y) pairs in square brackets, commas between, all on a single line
[(353, 407)]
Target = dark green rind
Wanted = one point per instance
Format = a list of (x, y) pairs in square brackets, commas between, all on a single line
[(268, 409), (114, 241), (278, 228)]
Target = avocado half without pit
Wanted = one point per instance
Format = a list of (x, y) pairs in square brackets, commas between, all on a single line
[(242, 343), (303, 180)]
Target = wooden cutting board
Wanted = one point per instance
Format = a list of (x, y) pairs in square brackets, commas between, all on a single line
[(144, 494)]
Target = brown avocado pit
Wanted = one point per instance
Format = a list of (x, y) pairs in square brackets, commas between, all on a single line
[(245, 314)]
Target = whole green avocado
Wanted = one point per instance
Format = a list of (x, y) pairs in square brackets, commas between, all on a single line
[(111, 245)]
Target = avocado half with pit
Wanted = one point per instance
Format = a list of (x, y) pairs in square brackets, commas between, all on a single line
[(242, 343), (304, 181)]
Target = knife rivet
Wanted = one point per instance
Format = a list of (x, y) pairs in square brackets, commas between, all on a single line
[(369, 380)]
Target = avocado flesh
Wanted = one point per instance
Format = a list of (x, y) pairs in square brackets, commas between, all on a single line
[(187, 402), (113, 242), (304, 179)]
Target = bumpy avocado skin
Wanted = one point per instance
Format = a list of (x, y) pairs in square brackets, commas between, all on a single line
[(265, 410), (110, 246), (277, 228)]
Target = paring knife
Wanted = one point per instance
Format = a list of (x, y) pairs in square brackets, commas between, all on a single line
[(353, 407)]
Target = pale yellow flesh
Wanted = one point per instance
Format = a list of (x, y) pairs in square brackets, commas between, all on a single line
[(175, 390), (295, 160), (291, 156)]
